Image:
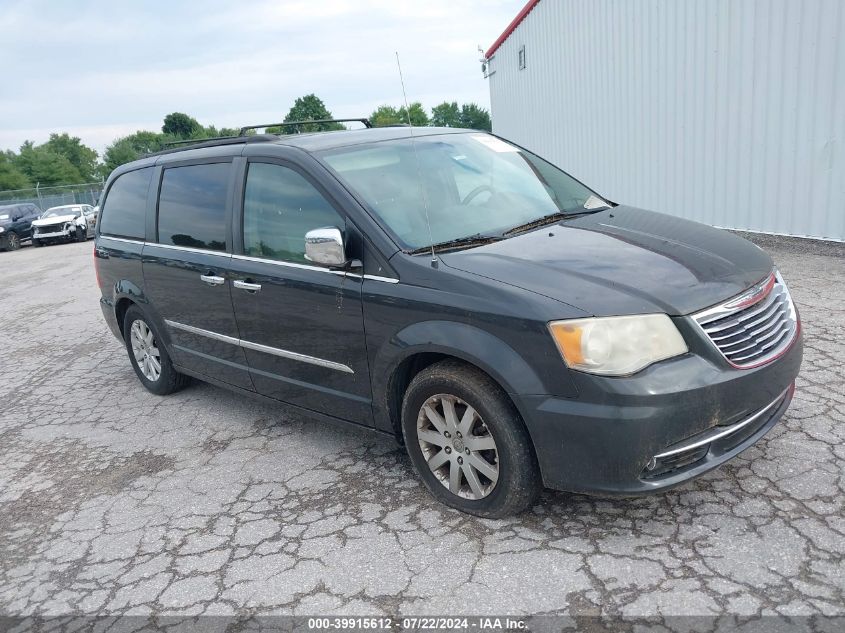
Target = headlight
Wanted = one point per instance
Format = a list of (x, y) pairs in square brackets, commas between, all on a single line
[(616, 346)]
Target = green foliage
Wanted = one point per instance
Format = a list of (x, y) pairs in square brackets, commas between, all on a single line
[(307, 108), (419, 118), (80, 156), (469, 115), (385, 115), (388, 115), (446, 115), (475, 117), (133, 147), (43, 166), (60, 161), (10, 176), (181, 125)]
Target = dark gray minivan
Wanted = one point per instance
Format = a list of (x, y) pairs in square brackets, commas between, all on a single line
[(510, 326)]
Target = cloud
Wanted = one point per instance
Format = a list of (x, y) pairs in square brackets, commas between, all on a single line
[(100, 68)]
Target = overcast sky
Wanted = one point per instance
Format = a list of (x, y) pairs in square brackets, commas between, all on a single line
[(103, 69)]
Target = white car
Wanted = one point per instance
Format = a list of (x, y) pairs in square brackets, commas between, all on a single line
[(71, 222)]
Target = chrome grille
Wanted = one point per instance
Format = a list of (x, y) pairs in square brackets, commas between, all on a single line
[(754, 328)]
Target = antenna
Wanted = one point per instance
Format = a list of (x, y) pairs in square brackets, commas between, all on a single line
[(417, 159)]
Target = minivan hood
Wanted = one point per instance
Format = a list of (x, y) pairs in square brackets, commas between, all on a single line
[(59, 219), (623, 261)]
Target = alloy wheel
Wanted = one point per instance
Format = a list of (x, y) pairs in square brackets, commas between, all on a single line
[(145, 350), (458, 447), (14, 241)]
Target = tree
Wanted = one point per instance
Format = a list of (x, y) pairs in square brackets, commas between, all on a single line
[(307, 108), (472, 116), (41, 165), (118, 153), (419, 118), (181, 125), (10, 176), (385, 115), (80, 156), (446, 115), (133, 147)]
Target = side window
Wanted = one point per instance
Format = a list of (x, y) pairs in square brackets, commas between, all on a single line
[(280, 207), (192, 206), (125, 207)]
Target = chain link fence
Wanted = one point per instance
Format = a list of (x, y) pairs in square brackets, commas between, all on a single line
[(46, 197)]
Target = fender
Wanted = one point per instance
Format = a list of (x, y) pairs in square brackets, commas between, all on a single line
[(469, 343), (125, 289)]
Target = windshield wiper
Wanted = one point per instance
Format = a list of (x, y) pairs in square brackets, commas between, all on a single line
[(552, 217), (462, 242)]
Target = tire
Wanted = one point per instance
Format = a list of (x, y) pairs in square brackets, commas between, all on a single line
[(167, 380), (13, 242), (36, 243), (80, 234), (508, 481)]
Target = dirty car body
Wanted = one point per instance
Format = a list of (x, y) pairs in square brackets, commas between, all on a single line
[(638, 350)]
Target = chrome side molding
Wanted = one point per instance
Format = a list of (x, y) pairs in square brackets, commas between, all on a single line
[(258, 347), (717, 433)]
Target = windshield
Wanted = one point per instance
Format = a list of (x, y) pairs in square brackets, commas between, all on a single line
[(474, 184), (59, 211)]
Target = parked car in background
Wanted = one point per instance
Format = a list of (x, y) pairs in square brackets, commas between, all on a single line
[(68, 223), (510, 326), (94, 215), (16, 224)]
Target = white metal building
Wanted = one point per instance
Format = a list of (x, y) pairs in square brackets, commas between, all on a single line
[(729, 112)]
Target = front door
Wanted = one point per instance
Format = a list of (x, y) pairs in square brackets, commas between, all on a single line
[(185, 271), (301, 326)]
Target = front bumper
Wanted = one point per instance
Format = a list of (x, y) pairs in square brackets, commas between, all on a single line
[(57, 235), (659, 428)]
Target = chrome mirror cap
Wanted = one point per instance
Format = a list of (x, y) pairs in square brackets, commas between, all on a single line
[(324, 247)]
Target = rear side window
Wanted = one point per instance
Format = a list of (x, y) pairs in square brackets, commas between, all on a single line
[(125, 207), (280, 207), (192, 206)]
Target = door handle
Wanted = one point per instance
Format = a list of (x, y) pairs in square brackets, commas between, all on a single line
[(213, 280), (245, 285)]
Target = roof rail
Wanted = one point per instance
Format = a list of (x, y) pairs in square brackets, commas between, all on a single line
[(178, 146), (246, 128), (190, 141)]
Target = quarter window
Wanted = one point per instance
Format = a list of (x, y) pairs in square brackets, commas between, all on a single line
[(192, 206), (125, 208), (280, 207)]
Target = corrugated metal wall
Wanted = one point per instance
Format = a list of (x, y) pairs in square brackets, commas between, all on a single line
[(729, 112)]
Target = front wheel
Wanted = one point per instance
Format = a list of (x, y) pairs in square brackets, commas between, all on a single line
[(468, 442), (13, 241), (36, 243), (149, 358), (80, 234)]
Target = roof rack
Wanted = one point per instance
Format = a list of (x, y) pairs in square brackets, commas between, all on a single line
[(190, 141), (178, 146), (243, 137), (296, 124)]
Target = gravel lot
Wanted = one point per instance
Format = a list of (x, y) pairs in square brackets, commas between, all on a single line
[(113, 500)]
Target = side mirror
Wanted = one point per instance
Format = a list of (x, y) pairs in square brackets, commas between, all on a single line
[(324, 247)]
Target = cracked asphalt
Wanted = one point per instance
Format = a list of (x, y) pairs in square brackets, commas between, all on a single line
[(115, 501)]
